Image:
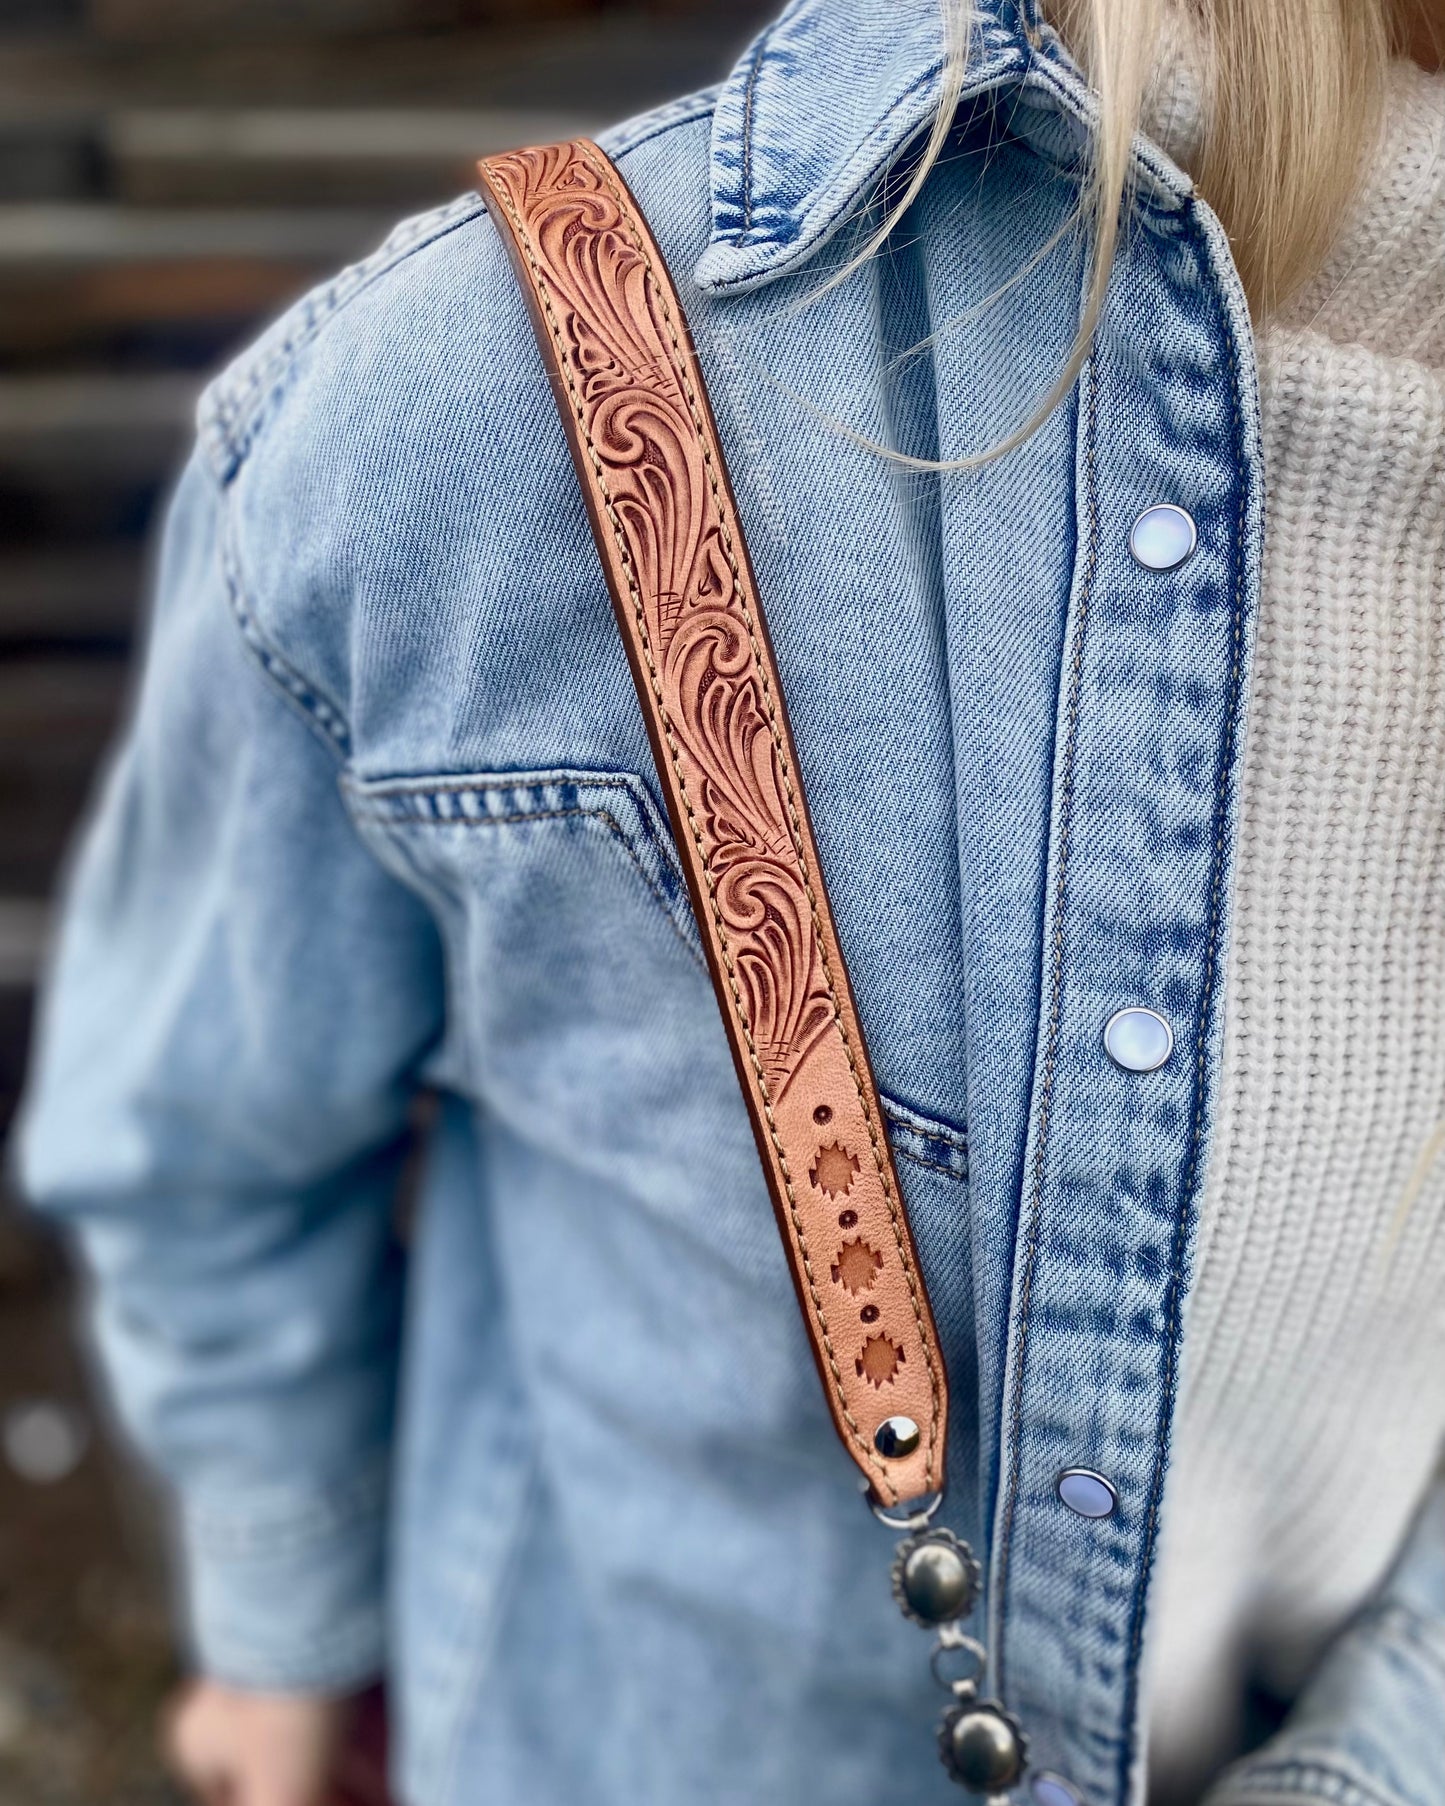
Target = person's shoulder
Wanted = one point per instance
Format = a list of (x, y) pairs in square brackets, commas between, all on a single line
[(238, 404), (403, 402), (442, 270)]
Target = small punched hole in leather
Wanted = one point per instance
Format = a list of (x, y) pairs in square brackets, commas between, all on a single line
[(880, 1360), (857, 1266), (834, 1169)]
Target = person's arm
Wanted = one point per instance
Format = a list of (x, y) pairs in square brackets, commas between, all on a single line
[(239, 1006), (1369, 1729)]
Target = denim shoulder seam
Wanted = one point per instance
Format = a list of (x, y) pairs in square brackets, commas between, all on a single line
[(307, 699), (233, 406)]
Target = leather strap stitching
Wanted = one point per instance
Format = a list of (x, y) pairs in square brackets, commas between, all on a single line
[(740, 593), (625, 556), (682, 372)]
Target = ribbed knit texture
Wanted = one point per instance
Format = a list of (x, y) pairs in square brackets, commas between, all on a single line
[(1313, 1391)]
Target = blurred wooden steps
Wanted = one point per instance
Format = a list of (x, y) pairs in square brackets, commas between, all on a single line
[(56, 716), (69, 599), (77, 425), (602, 62), (24, 938), (360, 157), (103, 284), (71, 236), (172, 174)]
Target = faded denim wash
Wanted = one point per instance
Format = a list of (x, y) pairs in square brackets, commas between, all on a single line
[(385, 821)]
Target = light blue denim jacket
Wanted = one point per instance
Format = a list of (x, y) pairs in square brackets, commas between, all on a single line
[(385, 820)]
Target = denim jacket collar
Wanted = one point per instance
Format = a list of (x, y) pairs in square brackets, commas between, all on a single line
[(830, 94)]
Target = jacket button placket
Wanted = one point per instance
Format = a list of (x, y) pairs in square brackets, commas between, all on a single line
[(1151, 703)]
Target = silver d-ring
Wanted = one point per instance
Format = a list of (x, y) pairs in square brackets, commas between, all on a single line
[(958, 1644), (917, 1520)]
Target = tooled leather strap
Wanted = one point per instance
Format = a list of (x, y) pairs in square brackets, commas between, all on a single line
[(632, 398)]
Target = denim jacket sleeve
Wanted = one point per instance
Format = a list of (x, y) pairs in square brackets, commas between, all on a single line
[(240, 1001), (1369, 1729)]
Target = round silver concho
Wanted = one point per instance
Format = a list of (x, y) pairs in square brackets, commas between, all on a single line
[(935, 1578), (982, 1747)]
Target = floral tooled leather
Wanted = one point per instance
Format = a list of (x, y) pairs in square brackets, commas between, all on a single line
[(627, 381)]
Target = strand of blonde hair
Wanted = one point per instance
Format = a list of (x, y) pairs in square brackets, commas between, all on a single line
[(1291, 97)]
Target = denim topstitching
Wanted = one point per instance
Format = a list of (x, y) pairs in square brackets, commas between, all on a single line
[(357, 1497), (368, 793), (1225, 784), (608, 820), (1056, 974), (810, 221), (309, 701), (747, 167), (1292, 1778), (231, 410)]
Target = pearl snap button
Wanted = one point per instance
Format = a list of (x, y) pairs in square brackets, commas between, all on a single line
[(1163, 537), (1089, 1494), (1049, 1790), (1138, 1040)]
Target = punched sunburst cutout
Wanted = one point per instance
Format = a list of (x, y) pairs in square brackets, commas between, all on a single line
[(857, 1266), (834, 1170), (880, 1360)]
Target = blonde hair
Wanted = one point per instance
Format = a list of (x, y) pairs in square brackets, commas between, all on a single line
[(1291, 97)]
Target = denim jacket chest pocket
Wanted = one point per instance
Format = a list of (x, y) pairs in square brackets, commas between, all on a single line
[(581, 1017)]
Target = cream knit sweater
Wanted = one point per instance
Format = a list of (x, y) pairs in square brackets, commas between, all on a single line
[(1313, 1403)]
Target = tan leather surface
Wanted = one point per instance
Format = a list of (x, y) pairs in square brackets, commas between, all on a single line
[(632, 398)]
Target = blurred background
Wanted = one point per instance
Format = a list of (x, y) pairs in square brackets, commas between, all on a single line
[(172, 173)]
